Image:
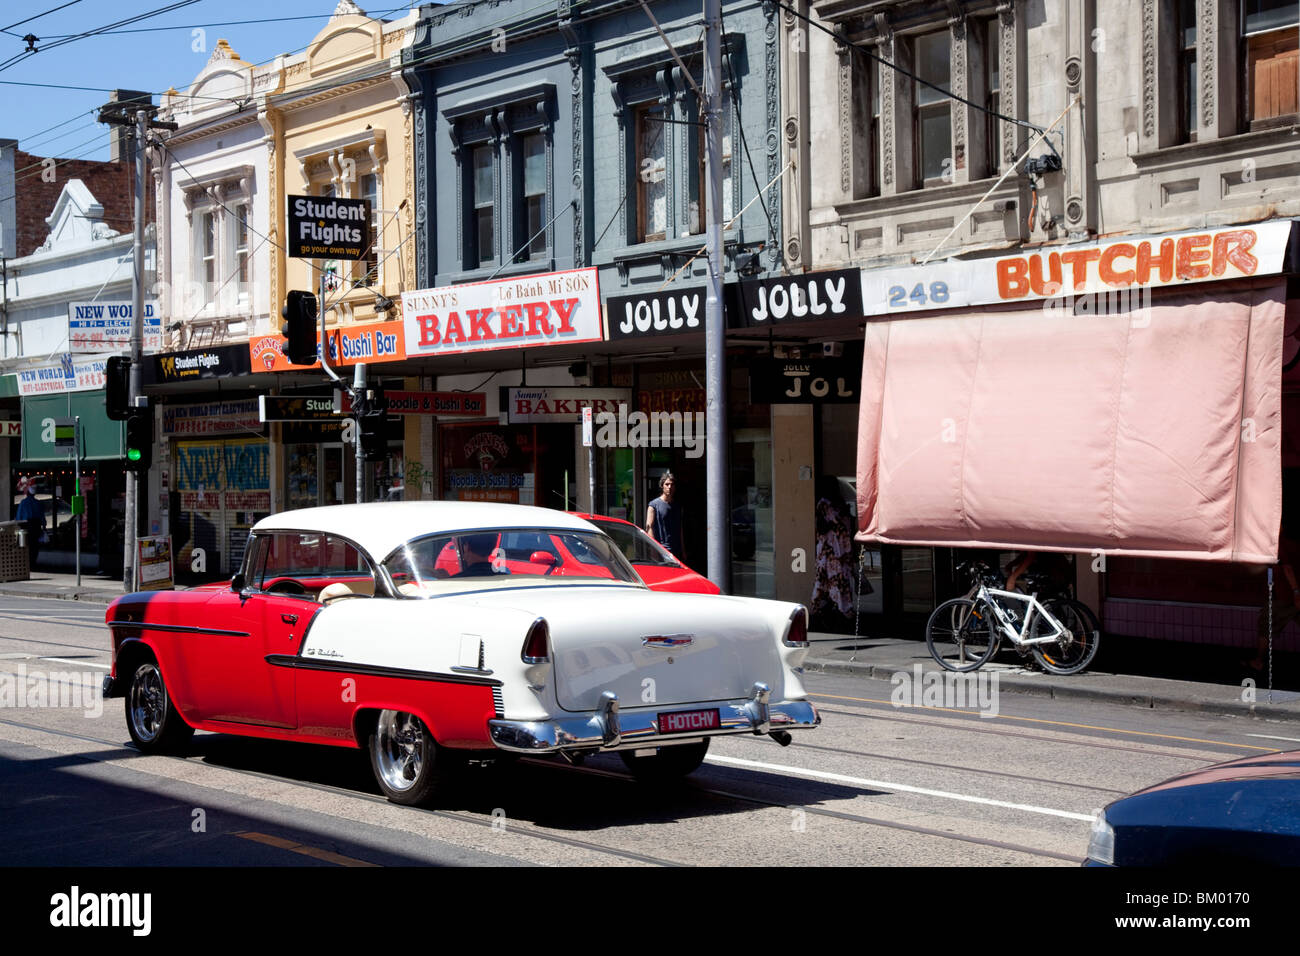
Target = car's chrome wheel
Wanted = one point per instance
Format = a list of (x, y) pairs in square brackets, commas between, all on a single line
[(151, 717), (405, 757)]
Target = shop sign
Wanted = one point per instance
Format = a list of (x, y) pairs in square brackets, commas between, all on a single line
[(208, 467), (277, 408), (654, 314), (155, 563), (525, 404), (322, 227), (433, 403), (1119, 268), (559, 308), (811, 297), (238, 417), (106, 326), (652, 400), (815, 381), (100, 438), (66, 376), (221, 362), (352, 345), (12, 429)]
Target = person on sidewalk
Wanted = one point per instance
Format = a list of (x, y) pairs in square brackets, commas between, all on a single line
[(32, 514), (663, 519)]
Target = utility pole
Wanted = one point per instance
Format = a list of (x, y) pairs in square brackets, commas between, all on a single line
[(715, 331), (139, 114)]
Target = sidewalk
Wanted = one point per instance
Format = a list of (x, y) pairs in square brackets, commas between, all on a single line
[(94, 589), (1152, 674), (1134, 672)]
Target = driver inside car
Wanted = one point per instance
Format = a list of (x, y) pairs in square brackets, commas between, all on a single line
[(476, 556)]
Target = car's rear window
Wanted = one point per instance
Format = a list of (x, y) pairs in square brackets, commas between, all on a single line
[(433, 564)]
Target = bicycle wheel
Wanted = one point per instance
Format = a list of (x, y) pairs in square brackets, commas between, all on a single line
[(1073, 650), (959, 634)]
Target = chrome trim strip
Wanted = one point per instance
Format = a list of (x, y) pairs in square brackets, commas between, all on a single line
[(371, 670), (178, 628), (639, 728)]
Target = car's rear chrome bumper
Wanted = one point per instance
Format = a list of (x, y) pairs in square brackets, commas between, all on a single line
[(611, 729)]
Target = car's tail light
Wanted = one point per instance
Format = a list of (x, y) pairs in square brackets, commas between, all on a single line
[(796, 632), (537, 645)]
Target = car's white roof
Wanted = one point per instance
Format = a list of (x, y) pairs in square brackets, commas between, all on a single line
[(381, 526)]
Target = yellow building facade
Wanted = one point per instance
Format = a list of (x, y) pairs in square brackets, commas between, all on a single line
[(337, 123)]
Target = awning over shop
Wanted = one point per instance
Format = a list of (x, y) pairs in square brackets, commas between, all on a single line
[(101, 437), (1152, 431)]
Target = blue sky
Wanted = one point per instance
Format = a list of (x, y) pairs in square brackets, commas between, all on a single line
[(61, 122)]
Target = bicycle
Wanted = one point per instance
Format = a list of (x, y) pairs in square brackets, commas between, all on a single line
[(964, 633)]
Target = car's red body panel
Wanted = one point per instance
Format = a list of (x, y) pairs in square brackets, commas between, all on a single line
[(669, 576), (232, 665)]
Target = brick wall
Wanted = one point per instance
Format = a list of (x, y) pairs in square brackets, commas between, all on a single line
[(112, 184)]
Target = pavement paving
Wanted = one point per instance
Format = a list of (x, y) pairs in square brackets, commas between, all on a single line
[(1159, 675)]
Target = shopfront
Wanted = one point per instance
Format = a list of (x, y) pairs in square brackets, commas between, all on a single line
[(51, 470), (216, 479), (1123, 401)]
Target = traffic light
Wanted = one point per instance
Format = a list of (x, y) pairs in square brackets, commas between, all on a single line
[(117, 372), (374, 444), (300, 327), (139, 441)]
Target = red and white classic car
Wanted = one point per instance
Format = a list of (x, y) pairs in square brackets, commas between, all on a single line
[(433, 632)]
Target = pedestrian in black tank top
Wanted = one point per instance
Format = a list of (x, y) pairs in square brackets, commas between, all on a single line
[(663, 519)]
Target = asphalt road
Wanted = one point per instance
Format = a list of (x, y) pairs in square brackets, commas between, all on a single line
[(877, 784)]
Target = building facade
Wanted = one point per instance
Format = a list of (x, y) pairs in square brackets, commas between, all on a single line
[(564, 152), (67, 304), (1087, 135)]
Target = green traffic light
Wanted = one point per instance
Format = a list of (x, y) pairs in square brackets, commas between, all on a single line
[(133, 454)]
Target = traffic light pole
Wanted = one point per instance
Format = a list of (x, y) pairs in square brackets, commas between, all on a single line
[(357, 392), (132, 529)]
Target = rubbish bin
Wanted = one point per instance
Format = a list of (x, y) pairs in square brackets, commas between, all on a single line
[(13, 551)]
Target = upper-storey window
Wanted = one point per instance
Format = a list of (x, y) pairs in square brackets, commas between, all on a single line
[(1185, 32), (697, 218), (534, 213), (483, 224), (651, 173), (220, 213), (207, 254), (1271, 55), (933, 113), (367, 270), (992, 95), (502, 145)]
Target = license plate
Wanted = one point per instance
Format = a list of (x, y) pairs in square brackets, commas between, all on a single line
[(685, 721)]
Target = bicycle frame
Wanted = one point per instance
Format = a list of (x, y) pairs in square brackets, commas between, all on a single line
[(1032, 609)]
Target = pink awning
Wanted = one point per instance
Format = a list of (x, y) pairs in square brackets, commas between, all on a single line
[(1153, 433)]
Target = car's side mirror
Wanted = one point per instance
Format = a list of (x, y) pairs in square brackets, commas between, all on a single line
[(237, 583), (542, 557)]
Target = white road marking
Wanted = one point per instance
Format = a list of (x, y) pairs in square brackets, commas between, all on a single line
[(1273, 737), (886, 785), (64, 660)]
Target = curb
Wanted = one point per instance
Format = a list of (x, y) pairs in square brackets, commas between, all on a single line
[(1055, 691), (83, 596)]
